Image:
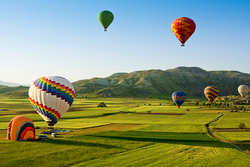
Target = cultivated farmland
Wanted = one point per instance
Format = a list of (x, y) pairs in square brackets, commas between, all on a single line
[(128, 132)]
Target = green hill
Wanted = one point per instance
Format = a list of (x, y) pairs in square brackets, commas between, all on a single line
[(191, 80), (19, 91)]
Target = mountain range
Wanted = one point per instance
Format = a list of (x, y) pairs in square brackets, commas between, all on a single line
[(191, 80), (10, 84), (2, 83)]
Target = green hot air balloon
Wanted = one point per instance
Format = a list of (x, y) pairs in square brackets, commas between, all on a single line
[(105, 17)]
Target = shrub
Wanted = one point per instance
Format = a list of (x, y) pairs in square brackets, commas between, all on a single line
[(242, 126), (102, 104)]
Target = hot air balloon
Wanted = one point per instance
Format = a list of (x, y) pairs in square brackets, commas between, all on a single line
[(105, 17), (211, 92), (51, 97), (183, 28), (243, 90), (21, 128), (178, 98)]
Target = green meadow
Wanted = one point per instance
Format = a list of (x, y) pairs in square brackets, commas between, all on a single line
[(128, 132)]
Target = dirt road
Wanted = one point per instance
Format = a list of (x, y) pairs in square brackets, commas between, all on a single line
[(209, 131)]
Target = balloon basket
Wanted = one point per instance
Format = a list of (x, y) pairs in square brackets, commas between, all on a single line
[(51, 123), (182, 45)]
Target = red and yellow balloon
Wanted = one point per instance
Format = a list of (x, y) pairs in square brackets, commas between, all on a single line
[(183, 28)]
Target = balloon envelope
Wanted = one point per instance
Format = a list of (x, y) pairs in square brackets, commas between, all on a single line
[(211, 92), (183, 28), (21, 128), (105, 17), (243, 90), (179, 98), (51, 97)]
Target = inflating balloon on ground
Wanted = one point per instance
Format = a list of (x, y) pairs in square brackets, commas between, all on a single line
[(21, 128)]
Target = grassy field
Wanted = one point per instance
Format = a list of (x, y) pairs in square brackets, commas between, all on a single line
[(119, 135), (229, 128)]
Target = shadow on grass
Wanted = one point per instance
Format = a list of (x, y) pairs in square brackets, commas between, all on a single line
[(194, 139), (77, 143)]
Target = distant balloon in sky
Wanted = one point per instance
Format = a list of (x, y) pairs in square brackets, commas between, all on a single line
[(179, 98), (183, 28), (211, 92), (51, 97), (243, 90), (105, 17)]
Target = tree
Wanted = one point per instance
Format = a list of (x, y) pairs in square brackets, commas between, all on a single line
[(197, 103), (242, 126)]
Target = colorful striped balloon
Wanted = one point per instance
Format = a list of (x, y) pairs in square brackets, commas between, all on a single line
[(243, 90), (211, 92), (183, 28), (51, 97), (179, 98), (21, 128)]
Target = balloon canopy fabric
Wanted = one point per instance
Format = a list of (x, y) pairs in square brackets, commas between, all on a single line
[(105, 17), (179, 98), (183, 28), (51, 97), (21, 128), (243, 90), (211, 92)]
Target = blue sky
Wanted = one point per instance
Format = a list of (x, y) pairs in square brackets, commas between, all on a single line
[(64, 37)]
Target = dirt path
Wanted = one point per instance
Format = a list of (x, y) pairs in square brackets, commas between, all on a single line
[(222, 140)]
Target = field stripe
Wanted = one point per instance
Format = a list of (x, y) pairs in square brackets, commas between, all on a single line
[(163, 154)]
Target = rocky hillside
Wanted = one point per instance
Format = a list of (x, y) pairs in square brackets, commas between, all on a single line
[(191, 80)]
